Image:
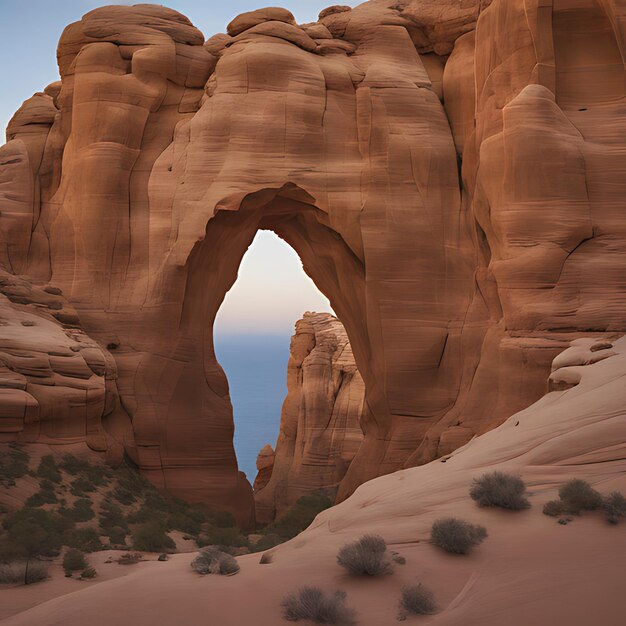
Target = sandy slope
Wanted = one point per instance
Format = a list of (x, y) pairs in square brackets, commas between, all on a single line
[(529, 571)]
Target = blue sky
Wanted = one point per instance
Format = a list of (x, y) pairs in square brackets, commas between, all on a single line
[(272, 290)]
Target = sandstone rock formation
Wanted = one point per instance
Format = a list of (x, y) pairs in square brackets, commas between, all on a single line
[(320, 430), (264, 465), (57, 385), (450, 173)]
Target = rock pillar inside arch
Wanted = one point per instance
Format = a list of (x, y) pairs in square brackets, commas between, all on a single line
[(320, 423)]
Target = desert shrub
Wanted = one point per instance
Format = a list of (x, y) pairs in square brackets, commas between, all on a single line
[(311, 603), (13, 465), (151, 537), (267, 542), (366, 556), (74, 560), (417, 600), (88, 573), (130, 479), (130, 558), (614, 507), (225, 536), (81, 486), (123, 496), (80, 512), (48, 469), (399, 559), (497, 489), (45, 495), (111, 516), (299, 516), (33, 532), (578, 495), (26, 573), (554, 508), (117, 535), (456, 535), (94, 473), (214, 561), (223, 519), (84, 539)]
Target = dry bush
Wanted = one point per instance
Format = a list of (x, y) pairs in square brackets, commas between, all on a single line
[(553, 508), (614, 506), (130, 558), (25, 573), (456, 535), (417, 600), (311, 603), (214, 561), (74, 560), (497, 489), (366, 556), (578, 495), (89, 573)]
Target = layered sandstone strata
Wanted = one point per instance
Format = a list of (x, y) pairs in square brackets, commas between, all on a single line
[(449, 173), (57, 385), (320, 429)]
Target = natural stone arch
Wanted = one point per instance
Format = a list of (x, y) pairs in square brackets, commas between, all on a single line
[(199, 401)]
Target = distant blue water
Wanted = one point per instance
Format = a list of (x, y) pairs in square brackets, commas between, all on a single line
[(256, 367)]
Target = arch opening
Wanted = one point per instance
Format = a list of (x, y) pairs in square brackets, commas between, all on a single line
[(213, 267)]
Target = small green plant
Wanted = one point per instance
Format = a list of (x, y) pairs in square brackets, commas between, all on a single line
[(366, 556), (214, 561), (151, 537), (497, 489), (48, 469), (45, 495), (416, 600), (224, 536), (266, 542), (88, 573), (311, 603), (456, 536), (299, 516), (123, 496), (80, 512), (74, 560), (117, 535), (85, 539), (111, 516), (81, 486), (13, 465)]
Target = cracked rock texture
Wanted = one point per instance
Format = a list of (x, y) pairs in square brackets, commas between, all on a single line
[(449, 171), (320, 430)]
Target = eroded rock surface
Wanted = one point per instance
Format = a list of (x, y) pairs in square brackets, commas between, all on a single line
[(320, 429), (450, 174)]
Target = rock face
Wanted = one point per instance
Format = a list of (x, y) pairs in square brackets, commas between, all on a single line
[(264, 465), (320, 430), (450, 174), (57, 385)]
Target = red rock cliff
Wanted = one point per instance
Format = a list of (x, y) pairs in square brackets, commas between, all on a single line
[(450, 174)]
